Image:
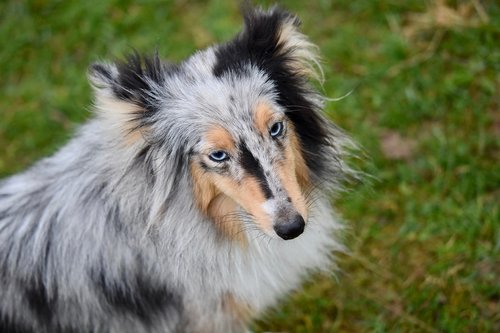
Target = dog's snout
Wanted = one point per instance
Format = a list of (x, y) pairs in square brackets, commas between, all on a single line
[(291, 228)]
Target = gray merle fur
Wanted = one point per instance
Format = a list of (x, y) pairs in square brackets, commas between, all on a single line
[(106, 235)]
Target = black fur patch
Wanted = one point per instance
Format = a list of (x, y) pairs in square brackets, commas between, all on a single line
[(136, 77), (140, 297), (15, 326), (9, 326), (258, 45), (311, 128), (40, 302), (254, 169)]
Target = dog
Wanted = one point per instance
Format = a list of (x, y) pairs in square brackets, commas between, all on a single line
[(195, 198)]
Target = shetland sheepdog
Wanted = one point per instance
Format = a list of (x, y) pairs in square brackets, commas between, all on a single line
[(195, 197)]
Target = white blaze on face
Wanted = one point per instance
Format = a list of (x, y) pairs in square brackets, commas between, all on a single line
[(269, 207)]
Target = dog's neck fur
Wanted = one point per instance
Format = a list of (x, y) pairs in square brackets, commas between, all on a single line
[(179, 244)]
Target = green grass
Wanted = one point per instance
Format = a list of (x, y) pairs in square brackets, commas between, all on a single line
[(424, 228)]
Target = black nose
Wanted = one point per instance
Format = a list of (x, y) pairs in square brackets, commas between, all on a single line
[(290, 229)]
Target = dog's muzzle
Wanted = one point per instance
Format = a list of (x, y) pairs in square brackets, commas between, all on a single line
[(291, 228)]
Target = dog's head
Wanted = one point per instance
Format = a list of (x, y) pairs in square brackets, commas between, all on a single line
[(244, 116)]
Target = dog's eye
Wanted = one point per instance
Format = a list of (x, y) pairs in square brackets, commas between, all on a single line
[(218, 156), (277, 129)]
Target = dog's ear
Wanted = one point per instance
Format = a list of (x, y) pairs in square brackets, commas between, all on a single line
[(128, 93), (275, 35), (102, 75), (271, 39)]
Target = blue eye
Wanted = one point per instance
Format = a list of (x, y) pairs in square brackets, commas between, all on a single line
[(277, 129), (218, 156)]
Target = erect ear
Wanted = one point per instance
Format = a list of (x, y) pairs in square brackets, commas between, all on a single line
[(270, 39), (280, 30), (128, 93), (303, 55)]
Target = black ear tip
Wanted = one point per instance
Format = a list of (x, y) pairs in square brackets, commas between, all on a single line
[(102, 75), (100, 72), (256, 16)]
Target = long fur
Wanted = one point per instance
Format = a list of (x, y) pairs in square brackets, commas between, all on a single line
[(107, 235)]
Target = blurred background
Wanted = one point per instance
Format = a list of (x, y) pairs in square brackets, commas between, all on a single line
[(424, 76)]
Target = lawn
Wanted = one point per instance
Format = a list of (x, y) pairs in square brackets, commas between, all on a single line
[(424, 104)]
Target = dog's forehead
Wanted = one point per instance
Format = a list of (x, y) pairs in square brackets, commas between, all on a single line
[(244, 86), (231, 100)]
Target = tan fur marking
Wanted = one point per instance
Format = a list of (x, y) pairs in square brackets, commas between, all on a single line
[(262, 117), (252, 200), (293, 174), (204, 190), (239, 310), (219, 137), (248, 195), (216, 205), (301, 169), (221, 209), (289, 181), (120, 115)]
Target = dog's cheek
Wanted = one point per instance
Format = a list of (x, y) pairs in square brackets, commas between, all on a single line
[(223, 213), (204, 190), (294, 154), (293, 174), (248, 194)]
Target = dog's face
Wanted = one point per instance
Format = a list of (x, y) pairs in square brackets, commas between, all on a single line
[(244, 116), (253, 162)]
